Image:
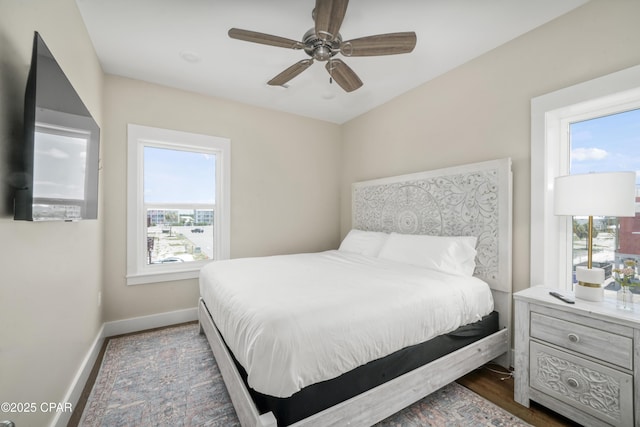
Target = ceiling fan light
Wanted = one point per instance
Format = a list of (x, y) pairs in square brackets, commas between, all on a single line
[(322, 53)]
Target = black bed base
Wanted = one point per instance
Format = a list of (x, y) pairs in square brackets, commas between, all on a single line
[(317, 397)]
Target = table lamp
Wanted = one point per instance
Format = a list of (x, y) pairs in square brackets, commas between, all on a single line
[(594, 194)]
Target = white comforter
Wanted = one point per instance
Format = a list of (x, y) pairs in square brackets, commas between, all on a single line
[(295, 320)]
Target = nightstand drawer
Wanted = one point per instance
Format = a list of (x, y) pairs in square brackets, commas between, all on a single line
[(607, 346), (597, 390)]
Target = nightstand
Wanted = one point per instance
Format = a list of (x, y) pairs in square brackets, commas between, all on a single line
[(581, 360)]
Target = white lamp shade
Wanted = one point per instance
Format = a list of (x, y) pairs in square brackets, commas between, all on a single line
[(596, 194)]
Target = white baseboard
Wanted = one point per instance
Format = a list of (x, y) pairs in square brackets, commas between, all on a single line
[(136, 324), (72, 396), (110, 329)]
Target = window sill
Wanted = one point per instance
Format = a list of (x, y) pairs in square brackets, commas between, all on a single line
[(170, 276)]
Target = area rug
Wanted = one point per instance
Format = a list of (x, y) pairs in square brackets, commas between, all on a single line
[(168, 377)]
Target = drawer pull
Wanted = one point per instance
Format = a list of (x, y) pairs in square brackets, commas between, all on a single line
[(574, 338), (572, 382)]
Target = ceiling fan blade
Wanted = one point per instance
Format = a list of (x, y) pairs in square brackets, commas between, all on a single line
[(329, 15), (268, 39), (381, 44), (343, 75), (290, 72)]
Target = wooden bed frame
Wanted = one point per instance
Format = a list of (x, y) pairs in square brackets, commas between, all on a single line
[(473, 199)]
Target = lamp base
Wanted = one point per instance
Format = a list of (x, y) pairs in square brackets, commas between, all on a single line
[(589, 294), (589, 287)]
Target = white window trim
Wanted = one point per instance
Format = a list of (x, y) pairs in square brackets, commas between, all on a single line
[(139, 136), (551, 250)]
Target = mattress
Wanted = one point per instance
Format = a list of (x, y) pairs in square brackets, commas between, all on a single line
[(296, 320), (323, 395)]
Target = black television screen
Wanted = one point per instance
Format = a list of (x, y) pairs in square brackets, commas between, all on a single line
[(61, 147)]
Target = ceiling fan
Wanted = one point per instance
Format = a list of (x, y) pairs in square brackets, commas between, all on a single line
[(324, 41)]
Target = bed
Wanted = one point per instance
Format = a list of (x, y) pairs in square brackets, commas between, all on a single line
[(417, 295)]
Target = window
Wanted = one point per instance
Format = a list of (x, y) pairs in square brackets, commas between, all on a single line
[(177, 203), (558, 124), (608, 143)]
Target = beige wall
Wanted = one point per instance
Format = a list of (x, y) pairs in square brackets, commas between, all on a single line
[(50, 273), (284, 183), (481, 110)]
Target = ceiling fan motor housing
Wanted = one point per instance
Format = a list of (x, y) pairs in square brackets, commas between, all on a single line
[(318, 49)]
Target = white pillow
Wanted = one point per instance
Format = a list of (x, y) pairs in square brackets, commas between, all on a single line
[(364, 242), (454, 255)]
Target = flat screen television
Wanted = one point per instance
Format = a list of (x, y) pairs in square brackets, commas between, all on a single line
[(61, 147)]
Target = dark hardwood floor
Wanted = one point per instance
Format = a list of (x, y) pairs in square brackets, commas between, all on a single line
[(494, 384), (491, 382)]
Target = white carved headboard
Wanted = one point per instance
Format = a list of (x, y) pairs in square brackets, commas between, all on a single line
[(468, 200)]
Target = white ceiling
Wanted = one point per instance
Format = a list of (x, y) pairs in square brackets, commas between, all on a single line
[(147, 39)]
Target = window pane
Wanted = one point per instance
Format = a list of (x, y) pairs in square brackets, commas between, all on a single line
[(176, 232), (176, 176), (177, 236), (606, 144)]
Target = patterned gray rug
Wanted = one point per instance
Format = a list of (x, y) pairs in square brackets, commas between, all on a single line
[(169, 377)]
